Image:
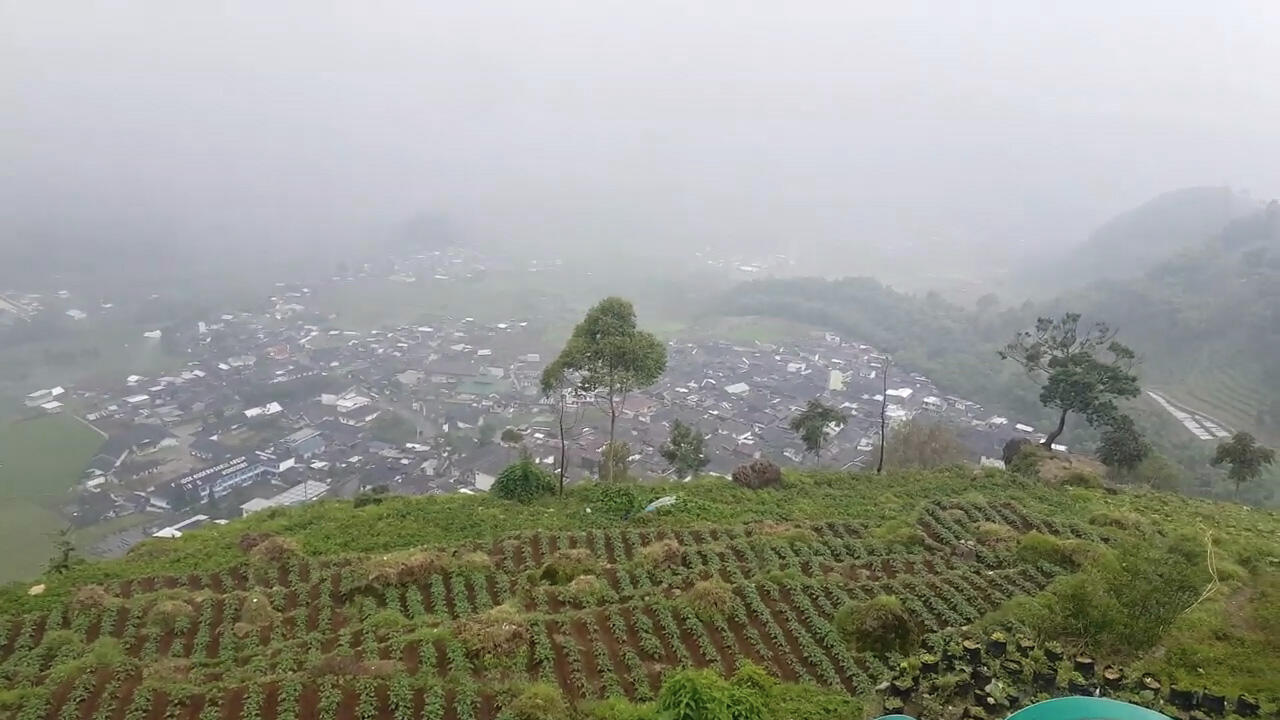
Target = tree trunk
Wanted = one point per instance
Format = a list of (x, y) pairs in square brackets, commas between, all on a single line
[(884, 402), (1062, 424), (563, 448), (609, 449)]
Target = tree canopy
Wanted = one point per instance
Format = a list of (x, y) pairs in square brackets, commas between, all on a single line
[(523, 481), (1122, 445), (1080, 372), (811, 425), (683, 451), (923, 444), (1245, 457)]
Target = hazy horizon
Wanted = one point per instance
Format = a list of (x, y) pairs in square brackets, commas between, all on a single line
[(856, 136)]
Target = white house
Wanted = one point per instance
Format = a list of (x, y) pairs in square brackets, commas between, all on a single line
[(737, 389), (935, 404)]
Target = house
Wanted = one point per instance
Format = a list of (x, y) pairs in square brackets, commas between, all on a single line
[(900, 394), (303, 492), (933, 404), (305, 442), (41, 397), (737, 389)]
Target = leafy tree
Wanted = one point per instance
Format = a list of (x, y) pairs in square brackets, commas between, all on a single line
[(614, 460), (610, 357), (1122, 445), (683, 452), (393, 428), (811, 425), (512, 436), (924, 444), (1245, 456), (555, 385), (523, 481), (486, 433), (1073, 374), (64, 552)]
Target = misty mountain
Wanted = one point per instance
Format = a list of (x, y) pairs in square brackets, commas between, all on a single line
[(1135, 241)]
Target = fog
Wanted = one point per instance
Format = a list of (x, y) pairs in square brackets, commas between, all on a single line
[(858, 137)]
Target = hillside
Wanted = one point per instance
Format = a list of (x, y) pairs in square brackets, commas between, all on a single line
[(473, 607), (1137, 240)]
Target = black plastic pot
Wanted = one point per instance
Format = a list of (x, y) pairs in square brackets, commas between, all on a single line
[(1181, 698), (1151, 682), (996, 647), (1112, 677), (973, 651), (1011, 667), (1052, 653), (1213, 703), (981, 675), (1026, 646), (1077, 687), (902, 687), (1246, 706), (1084, 665), (1046, 679)]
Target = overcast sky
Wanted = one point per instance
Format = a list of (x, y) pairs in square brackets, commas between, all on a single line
[(838, 123)]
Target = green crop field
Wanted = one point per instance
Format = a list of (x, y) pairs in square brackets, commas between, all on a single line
[(39, 461)]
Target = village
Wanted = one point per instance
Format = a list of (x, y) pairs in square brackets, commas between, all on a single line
[(282, 405)]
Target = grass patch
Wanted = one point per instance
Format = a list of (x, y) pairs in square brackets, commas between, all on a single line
[(40, 460)]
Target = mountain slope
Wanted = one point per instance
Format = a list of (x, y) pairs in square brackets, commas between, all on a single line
[(454, 606)]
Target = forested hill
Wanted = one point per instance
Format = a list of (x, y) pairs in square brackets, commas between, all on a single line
[(809, 595), (1137, 240)]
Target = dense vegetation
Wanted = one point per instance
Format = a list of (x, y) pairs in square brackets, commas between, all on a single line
[(478, 607), (1205, 324)]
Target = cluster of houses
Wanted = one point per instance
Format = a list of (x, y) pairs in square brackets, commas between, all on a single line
[(283, 405)]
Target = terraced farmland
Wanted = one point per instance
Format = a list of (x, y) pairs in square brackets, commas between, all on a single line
[(444, 634)]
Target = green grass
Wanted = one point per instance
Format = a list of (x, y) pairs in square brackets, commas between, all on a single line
[(39, 461)]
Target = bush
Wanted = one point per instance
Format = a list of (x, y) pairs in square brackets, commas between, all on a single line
[(989, 533), (256, 610), (617, 500), (1012, 449), (499, 631), (166, 613), (539, 701), (1082, 479), (274, 549), (704, 695), (709, 598), (1036, 547), (880, 624), (662, 553), (385, 621), (589, 590), (899, 533), (1120, 519), (93, 597), (404, 566), (566, 565), (523, 481), (758, 474), (475, 560)]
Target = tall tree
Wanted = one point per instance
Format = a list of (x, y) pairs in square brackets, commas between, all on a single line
[(1078, 372), (611, 357), (615, 460), (884, 406), (811, 425), (1245, 456), (1122, 445), (683, 451), (556, 385)]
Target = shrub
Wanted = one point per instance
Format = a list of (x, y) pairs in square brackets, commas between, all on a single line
[(1036, 547), (501, 630), (566, 565), (93, 596), (385, 621), (256, 610), (1082, 479), (989, 533), (539, 701), (758, 474), (709, 598), (1121, 519), (166, 613), (523, 481), (475, 561), (704, 695), (403, 567), (1012, 449), (899, 533), (619, 500), (274, 549), (662, 553), (589, 590), (880, 624), (619, 708)]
